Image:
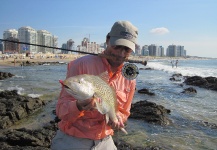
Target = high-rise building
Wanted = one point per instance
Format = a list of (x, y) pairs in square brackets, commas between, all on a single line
[(27, 35), (137, 50), (11, 47), (64, 46), (145, 51), (180, 51), (1, 47), (10, 33), (92, 47), (153, 50), (70, 44), (55, 43), (176, 51), (47, 39), (171, 51), (161, 51), (83, 46)]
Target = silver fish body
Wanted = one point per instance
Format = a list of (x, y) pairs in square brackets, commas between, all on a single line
[(86, 86)]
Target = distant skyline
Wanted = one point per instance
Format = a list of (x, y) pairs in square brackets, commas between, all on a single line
[(190, 23)]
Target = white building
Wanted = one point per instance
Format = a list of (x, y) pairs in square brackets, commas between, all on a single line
[(27, 35), (153, 50), (10, 33), (176, 51), (47, 39), (145, 51)]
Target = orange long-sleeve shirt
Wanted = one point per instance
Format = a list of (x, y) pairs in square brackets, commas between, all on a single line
[(91, 124)]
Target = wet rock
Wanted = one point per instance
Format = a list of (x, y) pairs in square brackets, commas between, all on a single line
[(146, 69), (14, 107), (146, 91), (32, 63), (189, 90), (5, 75), (176, 77), (26, 139), (211, 125), (196, 80), (150, 112), (122, 145), (208, 82)]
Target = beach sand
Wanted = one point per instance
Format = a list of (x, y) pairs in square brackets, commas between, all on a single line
[(15, 62)]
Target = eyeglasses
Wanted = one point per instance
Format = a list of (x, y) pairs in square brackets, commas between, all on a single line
[(125, 48)]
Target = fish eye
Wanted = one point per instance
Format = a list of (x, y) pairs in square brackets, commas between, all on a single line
[(81, 80)]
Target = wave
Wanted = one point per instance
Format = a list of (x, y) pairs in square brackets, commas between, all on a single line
[(20, 90), (184, 70), (17, 76), (34, 95)]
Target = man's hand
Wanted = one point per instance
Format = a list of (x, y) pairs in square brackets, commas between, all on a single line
[(88, 104), (117, 124)]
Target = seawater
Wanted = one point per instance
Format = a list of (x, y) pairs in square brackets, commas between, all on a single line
[(188, 111)]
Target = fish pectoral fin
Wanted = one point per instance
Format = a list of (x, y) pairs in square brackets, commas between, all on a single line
[(106, 118), (99, 104)]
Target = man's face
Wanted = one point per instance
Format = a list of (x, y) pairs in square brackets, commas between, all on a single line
[(120, 53)]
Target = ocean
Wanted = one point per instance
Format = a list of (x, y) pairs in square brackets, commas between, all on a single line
[(188, 111)]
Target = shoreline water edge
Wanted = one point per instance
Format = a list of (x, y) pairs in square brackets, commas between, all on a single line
[(170, 110)]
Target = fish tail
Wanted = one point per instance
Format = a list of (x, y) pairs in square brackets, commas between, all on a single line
[(123, 130)]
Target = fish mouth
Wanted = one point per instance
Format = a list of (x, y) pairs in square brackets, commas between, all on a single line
[(65, 86)]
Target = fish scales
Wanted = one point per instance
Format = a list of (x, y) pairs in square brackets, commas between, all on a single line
[(86, 86)]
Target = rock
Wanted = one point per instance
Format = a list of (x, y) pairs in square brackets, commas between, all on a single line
[(14, 107), (28, 139), (146, 69), (196, 80), (208, 82), (146, 91), (189, 90), (5, 75), (211, 125), (176, 77), (150, 112)]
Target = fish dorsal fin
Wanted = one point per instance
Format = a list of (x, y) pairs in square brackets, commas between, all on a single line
[(104, 76)]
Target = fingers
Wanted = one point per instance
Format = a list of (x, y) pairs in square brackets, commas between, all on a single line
[(117, 124), (86, 104), (120, 121)]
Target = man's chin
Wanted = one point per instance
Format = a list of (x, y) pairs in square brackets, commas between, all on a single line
[(117, 64)]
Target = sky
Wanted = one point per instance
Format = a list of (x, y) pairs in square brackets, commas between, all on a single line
[(190, 23)]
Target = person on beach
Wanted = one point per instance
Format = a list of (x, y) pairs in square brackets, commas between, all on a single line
[(81, 126), (177, 63), (172, 63)]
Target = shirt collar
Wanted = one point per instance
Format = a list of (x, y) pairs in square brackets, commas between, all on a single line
[(111, 74)]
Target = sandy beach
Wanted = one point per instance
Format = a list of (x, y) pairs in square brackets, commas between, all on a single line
[(17, 61)]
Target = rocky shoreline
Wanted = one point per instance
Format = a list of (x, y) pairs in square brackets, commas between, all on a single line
[(15, 107)]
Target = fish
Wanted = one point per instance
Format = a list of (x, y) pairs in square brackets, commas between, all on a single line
[(86, 86)]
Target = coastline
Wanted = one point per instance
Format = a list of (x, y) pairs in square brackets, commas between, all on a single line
[(16, 62), (169, 96), (18, 59)]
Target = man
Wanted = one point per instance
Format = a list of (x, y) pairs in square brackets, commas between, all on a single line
[(81, 126), (177, 63)]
